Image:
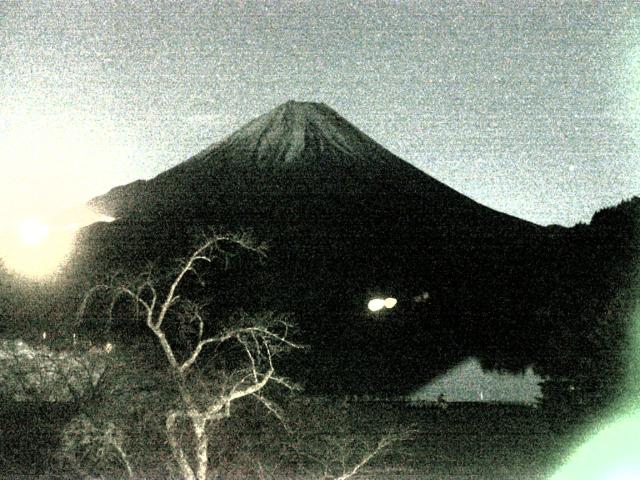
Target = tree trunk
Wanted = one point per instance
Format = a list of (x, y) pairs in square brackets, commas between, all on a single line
[(185, 469), (202, 442)]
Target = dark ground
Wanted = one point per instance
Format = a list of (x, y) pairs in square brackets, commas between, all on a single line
[(475, 441), (467, 441)]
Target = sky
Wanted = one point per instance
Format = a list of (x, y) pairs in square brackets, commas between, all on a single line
[(531, 108)]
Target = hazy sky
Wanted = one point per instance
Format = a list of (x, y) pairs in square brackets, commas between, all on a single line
[(532, 108)]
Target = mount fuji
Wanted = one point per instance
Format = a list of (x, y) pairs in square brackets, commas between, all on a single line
[(346, 220)]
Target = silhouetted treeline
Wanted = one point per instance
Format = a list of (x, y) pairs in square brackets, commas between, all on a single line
[(590, 312), (578, 332)]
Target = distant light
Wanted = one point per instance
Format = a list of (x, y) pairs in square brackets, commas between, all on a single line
[(423, 297), (390, 302), (376, 304)]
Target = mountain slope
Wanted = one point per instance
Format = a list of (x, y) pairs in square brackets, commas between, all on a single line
[(297, 148)]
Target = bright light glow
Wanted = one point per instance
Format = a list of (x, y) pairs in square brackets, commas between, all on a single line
[(38, 248), (54, 160), (624, 473), (33, 231), (34, 250), (612, 454), (376, 304), (51, 162)]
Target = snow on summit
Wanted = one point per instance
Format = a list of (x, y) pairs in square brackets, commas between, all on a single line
[(296, 129)]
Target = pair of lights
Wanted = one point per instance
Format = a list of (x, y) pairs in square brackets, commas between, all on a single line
[(377, 304)]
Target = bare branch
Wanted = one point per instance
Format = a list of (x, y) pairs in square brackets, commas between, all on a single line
[(196, 352), (171, 297), (262, 332), (198, 316), (250, 356), (166, 347), (250, 389), (285, 382), (191, 313), (265, 332), (87, 297), (144, 286), (122, 290), (382, 444), (274, 409)]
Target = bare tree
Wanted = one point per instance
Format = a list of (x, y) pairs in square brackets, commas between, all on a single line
[(102, 442), (336, 442), (343, 458), (260, 338)]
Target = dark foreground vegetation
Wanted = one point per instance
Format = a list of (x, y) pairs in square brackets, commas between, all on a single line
[(479, 441), (186, 392)]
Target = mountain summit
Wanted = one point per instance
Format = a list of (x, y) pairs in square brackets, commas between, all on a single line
[(298, 148), (299, 132)]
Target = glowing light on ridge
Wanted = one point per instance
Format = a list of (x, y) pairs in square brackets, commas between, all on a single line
[(38, 248)]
